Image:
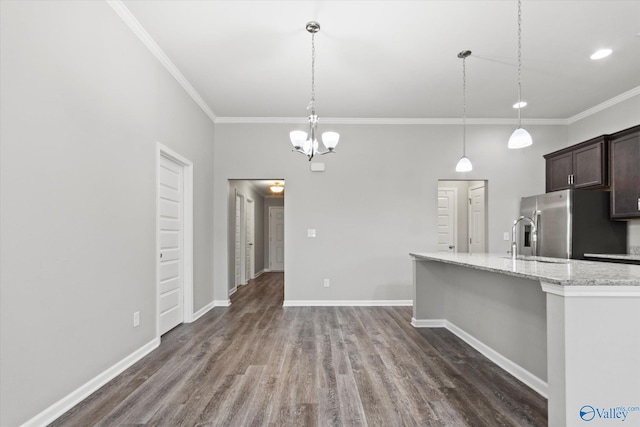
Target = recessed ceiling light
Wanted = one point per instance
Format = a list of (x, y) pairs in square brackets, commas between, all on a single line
[(602, 53), (520, 104)]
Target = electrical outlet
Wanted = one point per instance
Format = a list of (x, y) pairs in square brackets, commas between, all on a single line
[(505, 236), (326, 283), (136, 319)]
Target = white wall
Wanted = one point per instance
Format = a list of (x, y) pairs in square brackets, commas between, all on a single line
[(376, 201), (83, 105)]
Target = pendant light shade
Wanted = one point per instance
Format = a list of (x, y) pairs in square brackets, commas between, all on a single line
[(520, 138), (464, 165)]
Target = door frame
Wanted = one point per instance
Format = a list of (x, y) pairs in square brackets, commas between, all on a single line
[(187, 234)]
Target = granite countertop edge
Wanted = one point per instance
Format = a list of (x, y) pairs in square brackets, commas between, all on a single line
[(614, 256), (564, 273)]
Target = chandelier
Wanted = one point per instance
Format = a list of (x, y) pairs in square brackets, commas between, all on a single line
[(276, 187), (307, 143), (464, 164), (520, 138)]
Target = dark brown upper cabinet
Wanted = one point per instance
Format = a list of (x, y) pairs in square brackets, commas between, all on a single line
[(582, 165), (624, 152)]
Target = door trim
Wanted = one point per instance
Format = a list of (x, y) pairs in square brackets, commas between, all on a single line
[(187, 283)]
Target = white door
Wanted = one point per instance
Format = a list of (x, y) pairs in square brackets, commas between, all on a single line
[(250, 250), (238, 240), (171, 227), (477, 240), (276, 238), (447, 219)]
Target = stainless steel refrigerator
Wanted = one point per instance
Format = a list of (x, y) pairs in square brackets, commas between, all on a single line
[(570, 223)]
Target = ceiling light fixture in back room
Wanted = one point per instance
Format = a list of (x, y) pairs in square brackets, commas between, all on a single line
[(464, 164), (276, 187), (520, 138), (302, 142)]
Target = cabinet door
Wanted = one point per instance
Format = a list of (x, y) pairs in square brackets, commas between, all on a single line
[(589, 168), (625, 176), (559, 169)]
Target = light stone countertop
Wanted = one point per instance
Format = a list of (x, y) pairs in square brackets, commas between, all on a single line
[(557, 271), (623, 257)]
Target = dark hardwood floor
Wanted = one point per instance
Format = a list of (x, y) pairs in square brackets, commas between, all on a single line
[(256, 364)]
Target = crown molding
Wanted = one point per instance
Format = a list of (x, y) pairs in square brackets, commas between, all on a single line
[(387, 121), (604, 105), (153, 47), (137, 28)]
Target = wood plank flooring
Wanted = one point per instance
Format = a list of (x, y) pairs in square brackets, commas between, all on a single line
[(257, 363)]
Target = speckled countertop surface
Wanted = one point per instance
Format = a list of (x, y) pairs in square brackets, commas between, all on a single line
[(623, 257), (559, 271)]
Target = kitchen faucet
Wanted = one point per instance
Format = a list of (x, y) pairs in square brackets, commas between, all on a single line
[(534, 230)]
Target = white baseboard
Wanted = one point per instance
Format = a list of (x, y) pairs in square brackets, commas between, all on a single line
[(267, 270), (221, 302), (347, 303), (233, 290), (204, 310), (535, 383), (428, 323), (63, 405), (258, 274)]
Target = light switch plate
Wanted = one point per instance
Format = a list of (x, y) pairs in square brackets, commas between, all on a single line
[(505, 236), (311, 232)]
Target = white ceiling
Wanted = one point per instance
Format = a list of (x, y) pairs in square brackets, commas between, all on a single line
[(398, 59)]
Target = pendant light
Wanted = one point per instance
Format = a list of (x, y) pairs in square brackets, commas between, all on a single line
[(520, 138), (302, 142), (464, 164)]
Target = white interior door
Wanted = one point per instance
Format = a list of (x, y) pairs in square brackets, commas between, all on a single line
[(447, 221), (276, 238), (250, 250), (477, 224), (238, 240), (171, 227)]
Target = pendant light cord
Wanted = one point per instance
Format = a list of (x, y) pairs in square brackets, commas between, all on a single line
[(519, 61), (464, 106)]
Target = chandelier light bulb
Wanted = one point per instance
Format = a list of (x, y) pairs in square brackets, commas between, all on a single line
[(330, 139), (298, 138)]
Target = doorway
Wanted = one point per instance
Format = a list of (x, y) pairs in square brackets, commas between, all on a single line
[(249, 251), (462, 216)]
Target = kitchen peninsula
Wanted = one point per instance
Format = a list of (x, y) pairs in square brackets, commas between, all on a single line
[(569, 329)]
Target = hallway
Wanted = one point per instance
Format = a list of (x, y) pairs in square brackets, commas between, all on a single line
[(257, 363)]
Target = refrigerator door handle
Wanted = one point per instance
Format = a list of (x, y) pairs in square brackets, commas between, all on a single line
[(537, 217)]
